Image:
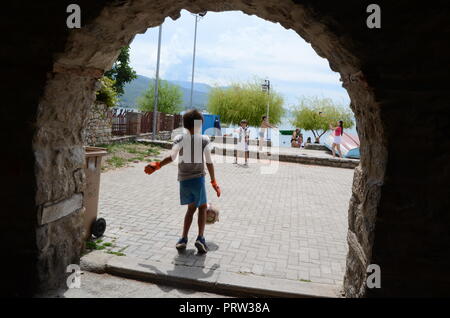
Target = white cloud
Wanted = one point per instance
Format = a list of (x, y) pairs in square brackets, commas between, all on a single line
[(232, 46)]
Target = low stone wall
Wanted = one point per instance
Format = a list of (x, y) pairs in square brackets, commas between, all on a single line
[(162, 135), (234, 140), (317, 161), (98, 127), (307, 160), (161, 143), (315, 147)]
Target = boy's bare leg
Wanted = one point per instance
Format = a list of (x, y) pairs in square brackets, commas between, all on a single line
[(201, 219), (188, 219)]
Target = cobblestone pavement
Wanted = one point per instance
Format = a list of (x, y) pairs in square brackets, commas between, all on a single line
[(291, 224)]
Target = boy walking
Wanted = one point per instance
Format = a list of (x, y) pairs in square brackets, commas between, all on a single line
[(194, 150)]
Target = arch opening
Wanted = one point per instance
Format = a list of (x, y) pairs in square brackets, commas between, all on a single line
[(91, 50)]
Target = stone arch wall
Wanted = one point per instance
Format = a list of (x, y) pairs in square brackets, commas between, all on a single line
[(379, 84)]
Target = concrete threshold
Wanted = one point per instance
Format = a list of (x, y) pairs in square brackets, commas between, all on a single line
[(204, 279)]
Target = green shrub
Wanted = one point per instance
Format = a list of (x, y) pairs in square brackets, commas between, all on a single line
[(107, 94), (245, 101)]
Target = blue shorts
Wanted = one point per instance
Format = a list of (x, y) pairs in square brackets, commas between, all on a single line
[(193, 191)]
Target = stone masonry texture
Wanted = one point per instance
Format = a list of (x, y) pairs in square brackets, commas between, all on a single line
[(98, 126)]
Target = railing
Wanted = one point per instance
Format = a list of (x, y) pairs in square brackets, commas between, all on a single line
[(147, 122), (119, 122), (122, 125), (177, 121)]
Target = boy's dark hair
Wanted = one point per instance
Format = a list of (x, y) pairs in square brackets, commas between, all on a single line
[(264, 117), (190, 117)]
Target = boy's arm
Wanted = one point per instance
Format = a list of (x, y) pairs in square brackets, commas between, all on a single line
[(214, 184), (209, 162), (156, 165), (166, 161), (210, 166), (173, 154)]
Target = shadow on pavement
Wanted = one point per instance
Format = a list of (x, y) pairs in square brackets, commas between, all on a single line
[(197, 269)]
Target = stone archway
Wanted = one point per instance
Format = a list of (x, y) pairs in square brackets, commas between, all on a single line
[(74, 60)]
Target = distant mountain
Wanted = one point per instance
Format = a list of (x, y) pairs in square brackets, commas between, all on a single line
[(136, 88), (199, 87)]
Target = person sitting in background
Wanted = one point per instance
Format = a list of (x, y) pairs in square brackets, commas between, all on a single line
[(308, 141), (297, 139)]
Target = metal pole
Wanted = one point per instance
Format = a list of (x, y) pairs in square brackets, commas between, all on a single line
[(268, 106), (193, 61), (155, 105), (268, 98)]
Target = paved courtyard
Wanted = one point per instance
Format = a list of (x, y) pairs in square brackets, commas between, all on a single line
[(291, 224)]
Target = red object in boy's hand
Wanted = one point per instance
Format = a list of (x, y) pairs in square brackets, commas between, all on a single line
[(152, 167), (216, 187)]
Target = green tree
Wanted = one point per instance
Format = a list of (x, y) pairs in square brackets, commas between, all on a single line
[(170, 98), (245, 101), (107, 94), (121, 72), (317, 114)]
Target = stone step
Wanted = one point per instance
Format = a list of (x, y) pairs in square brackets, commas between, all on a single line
[(204, 279)]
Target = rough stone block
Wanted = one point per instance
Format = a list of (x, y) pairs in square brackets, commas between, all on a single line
[(55, 211)]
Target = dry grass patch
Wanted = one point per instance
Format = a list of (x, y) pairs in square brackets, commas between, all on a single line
[(122, 154)]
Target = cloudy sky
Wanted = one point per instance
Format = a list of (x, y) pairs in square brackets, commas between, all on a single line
[(233, 46)]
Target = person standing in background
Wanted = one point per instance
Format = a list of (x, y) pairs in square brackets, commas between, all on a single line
[(218, 129), (263, 128), (243, 141), (338, 132)]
